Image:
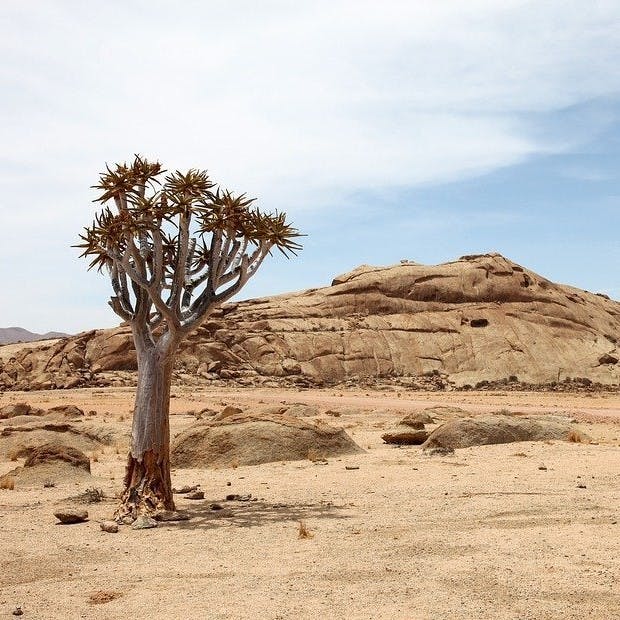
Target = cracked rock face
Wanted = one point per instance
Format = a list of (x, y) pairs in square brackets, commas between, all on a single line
[(480, 318)]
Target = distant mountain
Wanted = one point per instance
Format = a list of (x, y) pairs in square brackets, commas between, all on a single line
[(10, 335)]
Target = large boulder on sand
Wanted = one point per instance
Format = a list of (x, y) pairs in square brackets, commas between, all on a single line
[(66, 424), (49, 463), (499, 428), (245, 439)]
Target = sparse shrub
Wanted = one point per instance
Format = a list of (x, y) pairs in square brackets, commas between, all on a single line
[(575, 437), (8, 483), (91, 495), (314, 455), (304, 532), (103, 596)]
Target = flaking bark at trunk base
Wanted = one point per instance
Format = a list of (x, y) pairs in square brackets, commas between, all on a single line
[(147, 484)]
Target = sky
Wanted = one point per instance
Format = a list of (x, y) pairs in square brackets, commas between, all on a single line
[(387, 130)]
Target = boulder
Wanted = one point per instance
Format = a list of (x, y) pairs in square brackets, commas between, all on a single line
[(497, 428), (405, 436), (417, 419), (68, 411), (19, 409), (51, 452), (71, 515), (50, 463), (481, 318), (228, 411), (254, 439)]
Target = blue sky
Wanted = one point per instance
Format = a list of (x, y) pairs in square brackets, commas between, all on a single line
[(387, 130)]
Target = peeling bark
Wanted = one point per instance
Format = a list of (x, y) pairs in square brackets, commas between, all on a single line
[(148, 486)]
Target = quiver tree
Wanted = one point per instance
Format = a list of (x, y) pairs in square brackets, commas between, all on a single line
[(174, 248)]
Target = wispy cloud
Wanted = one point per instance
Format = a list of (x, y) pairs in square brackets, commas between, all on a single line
[(298, 103)]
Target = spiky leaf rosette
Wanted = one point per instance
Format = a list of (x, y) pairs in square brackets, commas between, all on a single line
[(175, 249)]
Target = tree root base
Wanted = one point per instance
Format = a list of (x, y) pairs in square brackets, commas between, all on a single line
[(148, 488)]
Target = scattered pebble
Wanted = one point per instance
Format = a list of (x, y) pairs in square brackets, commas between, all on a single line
[(542, 467), (68, 515), (171, 515), (351, 467), (185, 489), (215, 506), (111, 527), (235, 497), (196, 495), (18, 611), (143, 523)]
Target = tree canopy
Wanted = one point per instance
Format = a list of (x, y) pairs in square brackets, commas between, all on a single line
[(177, 244)]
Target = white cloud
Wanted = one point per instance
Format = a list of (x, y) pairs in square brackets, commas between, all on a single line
[(298, 103)]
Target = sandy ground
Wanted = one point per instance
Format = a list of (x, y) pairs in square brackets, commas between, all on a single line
[(485, 533)]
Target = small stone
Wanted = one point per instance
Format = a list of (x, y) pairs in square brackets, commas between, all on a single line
[(69, 515), (171, 515), (111, 527), (143, 523), (216, 506), (581, 486), (438, 451), (196, 495), (235, 497), (542, 467), (127, 520), (18, 611), (351, 467), (185, 489)]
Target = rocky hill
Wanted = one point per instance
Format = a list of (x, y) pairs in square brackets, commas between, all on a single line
[(480, 318)]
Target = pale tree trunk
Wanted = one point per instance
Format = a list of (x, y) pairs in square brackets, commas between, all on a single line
[(148, 487)]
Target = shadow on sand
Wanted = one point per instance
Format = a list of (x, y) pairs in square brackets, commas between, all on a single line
[(254, 513)]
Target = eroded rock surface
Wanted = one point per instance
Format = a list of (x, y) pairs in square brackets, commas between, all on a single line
[(478, 319), (498, 428), (246, 439)]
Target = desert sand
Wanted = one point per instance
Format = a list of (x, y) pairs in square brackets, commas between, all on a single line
[(525, 530)]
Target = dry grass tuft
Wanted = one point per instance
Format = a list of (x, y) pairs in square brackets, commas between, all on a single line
[(575, 437), (314, 456), (91, 495), (7, 483), (103, 596), (304, 532), (19, 452)]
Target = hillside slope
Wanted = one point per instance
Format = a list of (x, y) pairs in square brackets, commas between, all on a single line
[(10, 335)]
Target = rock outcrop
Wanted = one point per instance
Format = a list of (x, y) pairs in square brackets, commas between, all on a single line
[(478, 319), (246, 439), (490, 429), (49, 463)]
